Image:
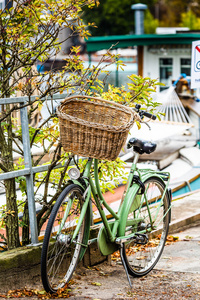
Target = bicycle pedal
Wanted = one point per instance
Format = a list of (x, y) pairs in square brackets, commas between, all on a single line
[(125, 239), (141, 238)]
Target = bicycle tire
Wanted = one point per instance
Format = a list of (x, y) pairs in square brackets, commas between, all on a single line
[(60, 255), (140, 258)]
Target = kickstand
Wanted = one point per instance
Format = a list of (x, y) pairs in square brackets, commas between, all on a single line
[(124, 264)]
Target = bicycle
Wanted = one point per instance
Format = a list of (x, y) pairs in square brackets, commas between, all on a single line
[(139, 229)]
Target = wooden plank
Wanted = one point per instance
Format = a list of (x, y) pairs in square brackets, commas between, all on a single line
[(140, 60), (164, 154)]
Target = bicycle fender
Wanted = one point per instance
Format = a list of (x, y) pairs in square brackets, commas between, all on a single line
[(147, 176), (169, 198), (168, 191), (74, 181)]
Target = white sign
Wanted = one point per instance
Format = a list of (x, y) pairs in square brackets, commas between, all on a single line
[(195, 65)]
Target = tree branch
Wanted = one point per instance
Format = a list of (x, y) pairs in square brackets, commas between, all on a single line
[(2, 167)]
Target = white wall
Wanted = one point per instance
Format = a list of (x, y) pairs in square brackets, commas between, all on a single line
[(151, 61)]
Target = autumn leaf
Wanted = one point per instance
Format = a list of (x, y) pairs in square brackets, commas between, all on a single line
[(158, 275), (96, 283), (21, 293), (140, 257), (20, 86)]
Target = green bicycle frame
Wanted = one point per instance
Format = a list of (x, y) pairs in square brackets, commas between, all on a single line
[(118, 228), (132, 190)]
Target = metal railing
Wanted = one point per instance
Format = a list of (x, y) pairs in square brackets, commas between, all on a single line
[(28, 171)]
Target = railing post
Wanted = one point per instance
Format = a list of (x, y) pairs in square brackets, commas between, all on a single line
[(29, 177)]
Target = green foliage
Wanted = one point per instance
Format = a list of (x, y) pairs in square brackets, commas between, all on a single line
[(111, 174), (170, 12), (150, 24), (112, 17), (117, 18), (190, 20), (139, 91), (30, 33)]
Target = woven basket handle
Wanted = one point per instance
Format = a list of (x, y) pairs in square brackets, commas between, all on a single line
[(90, 97), (136, 116)]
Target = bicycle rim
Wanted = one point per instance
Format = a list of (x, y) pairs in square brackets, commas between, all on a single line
[(60, 254), (152, 222)]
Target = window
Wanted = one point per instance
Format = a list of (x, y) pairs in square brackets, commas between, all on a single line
[(186, 66), (166, 65)]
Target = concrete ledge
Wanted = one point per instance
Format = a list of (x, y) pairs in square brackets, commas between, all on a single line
[(183, 224), (21, 267)]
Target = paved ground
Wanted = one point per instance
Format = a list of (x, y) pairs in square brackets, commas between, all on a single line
[(176, 276), (183, 256)]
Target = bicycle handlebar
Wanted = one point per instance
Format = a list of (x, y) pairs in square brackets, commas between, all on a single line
[(148, 115), (143, 113)]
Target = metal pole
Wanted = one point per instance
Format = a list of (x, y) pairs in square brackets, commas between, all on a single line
[(139, 17), (29, 177)]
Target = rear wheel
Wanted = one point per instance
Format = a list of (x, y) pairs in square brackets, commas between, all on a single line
[(60, 253), (149, 218)]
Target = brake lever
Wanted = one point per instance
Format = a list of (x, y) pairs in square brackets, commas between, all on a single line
[(146, 124)]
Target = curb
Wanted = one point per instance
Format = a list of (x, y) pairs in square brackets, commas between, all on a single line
[(21, 266), (183, 224)]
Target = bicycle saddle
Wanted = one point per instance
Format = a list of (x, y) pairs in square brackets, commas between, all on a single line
[(141, 146)]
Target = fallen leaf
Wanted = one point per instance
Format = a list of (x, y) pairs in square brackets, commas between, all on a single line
[(140, 257), (101, 273), (20, 293), (96, 283), (41, 292), (159, 275)]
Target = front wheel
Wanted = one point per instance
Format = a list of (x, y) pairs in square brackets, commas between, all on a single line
[(60, 253), (148, 216)]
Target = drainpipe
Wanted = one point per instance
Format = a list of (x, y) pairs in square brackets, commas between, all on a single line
[(139, 29)]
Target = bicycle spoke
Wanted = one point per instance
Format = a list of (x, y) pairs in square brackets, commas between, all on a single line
[(152, 216), (60, 254)]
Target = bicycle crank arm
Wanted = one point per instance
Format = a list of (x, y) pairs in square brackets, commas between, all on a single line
[(138, 238), (92, 241)]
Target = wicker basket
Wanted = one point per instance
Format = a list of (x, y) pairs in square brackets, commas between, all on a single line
[(94, 127)]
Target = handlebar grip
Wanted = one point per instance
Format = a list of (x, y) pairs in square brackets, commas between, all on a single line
[(148, 115)]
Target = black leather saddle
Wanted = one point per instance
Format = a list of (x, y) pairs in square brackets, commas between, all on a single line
[(141, 146)]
